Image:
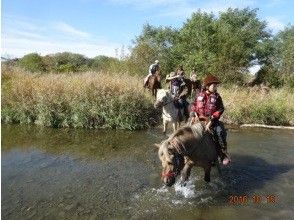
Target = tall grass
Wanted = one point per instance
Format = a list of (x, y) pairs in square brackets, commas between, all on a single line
[(91, 100), (105, 100), (253, 105)]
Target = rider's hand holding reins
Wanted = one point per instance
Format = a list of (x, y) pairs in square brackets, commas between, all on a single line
[(208, 125)]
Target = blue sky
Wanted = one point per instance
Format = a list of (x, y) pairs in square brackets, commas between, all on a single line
[(100, 27)]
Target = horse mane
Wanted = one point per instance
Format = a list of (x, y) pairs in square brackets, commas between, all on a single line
[(184, 138), (197, 129)]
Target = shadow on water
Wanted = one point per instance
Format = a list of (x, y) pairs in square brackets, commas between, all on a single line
[(102, 174), (250, 173)]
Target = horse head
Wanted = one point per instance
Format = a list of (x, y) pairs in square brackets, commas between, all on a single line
[(163, 97), (172, 162)]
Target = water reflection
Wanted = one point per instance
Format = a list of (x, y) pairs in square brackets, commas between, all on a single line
[(68, 173)]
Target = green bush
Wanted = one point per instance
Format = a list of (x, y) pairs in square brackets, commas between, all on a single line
[(32, 62)]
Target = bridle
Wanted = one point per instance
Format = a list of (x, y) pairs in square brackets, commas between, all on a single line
[(178, 161)]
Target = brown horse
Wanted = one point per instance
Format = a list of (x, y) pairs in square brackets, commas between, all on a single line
[(193, 86), (153, 83), (187, 147)]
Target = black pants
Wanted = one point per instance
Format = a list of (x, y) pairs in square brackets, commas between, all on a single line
[(220, 138), (184, 104), (220, 133)]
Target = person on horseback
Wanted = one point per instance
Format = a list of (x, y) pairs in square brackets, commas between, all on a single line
[(179, 90), (196, 83), (208, 106), (152, 70), (175, 79)]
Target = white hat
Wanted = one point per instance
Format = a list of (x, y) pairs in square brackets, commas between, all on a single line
[(156, 61)]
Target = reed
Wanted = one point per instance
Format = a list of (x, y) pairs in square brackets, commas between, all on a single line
[(91, 100), (254, 105), (115, 100)]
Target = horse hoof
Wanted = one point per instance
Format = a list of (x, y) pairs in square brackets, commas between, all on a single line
[(183, 184), (207, 179)]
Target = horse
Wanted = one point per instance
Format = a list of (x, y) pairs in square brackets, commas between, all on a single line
[(187, 147), (153, 83), (194, 86), (170, 113)]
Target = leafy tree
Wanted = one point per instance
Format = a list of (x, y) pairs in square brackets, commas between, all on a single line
[(196, 43), (285, 48), (69, 62), (153, 43), (104, 63), (241, 36), (32, 62)]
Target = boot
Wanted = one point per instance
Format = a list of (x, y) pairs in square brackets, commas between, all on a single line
[(221, 151)]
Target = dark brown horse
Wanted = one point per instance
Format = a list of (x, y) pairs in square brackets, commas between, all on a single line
[(193, 87), (187, 147), (154, 83)]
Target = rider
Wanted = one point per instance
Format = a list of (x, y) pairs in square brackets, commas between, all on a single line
[(196, 83), (179, 90), (175, 79), (208, 106), (152, 70)]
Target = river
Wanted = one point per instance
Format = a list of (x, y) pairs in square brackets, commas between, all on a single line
[(105, 174)]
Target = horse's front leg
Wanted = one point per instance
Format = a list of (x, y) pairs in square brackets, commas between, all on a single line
[(207, 170), (164, 126), (175, 126), (185, 174)]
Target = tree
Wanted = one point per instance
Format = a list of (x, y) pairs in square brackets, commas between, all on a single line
[(32, 62), (69, 62), (285, 48), (196, 43), (154, 43), (104, 63)]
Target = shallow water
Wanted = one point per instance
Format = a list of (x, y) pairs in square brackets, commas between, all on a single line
[(102, 174)]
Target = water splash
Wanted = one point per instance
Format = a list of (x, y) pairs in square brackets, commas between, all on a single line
[(187, 191)]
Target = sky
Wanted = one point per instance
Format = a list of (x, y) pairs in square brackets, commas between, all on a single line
[(107, 27)]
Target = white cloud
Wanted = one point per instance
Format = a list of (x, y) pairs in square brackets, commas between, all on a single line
[(20, 37), (19, 47), (68, 29), (142, 5), (184, 8), (274, 24)]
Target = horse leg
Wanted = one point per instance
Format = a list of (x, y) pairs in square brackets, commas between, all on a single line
[(207, 170), (185, 174), (164, 126), (174, 126)]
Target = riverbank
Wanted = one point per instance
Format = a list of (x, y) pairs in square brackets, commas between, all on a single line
[(107, 100)]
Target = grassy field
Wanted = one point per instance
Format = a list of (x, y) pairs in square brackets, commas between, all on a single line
[(105, 100), (90, 100), (254, 105)]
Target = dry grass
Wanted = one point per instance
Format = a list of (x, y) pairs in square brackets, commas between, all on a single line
[(98, 100), (254, 105), (75, 100)]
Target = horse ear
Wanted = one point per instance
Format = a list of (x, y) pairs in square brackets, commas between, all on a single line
[(157, 145)]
